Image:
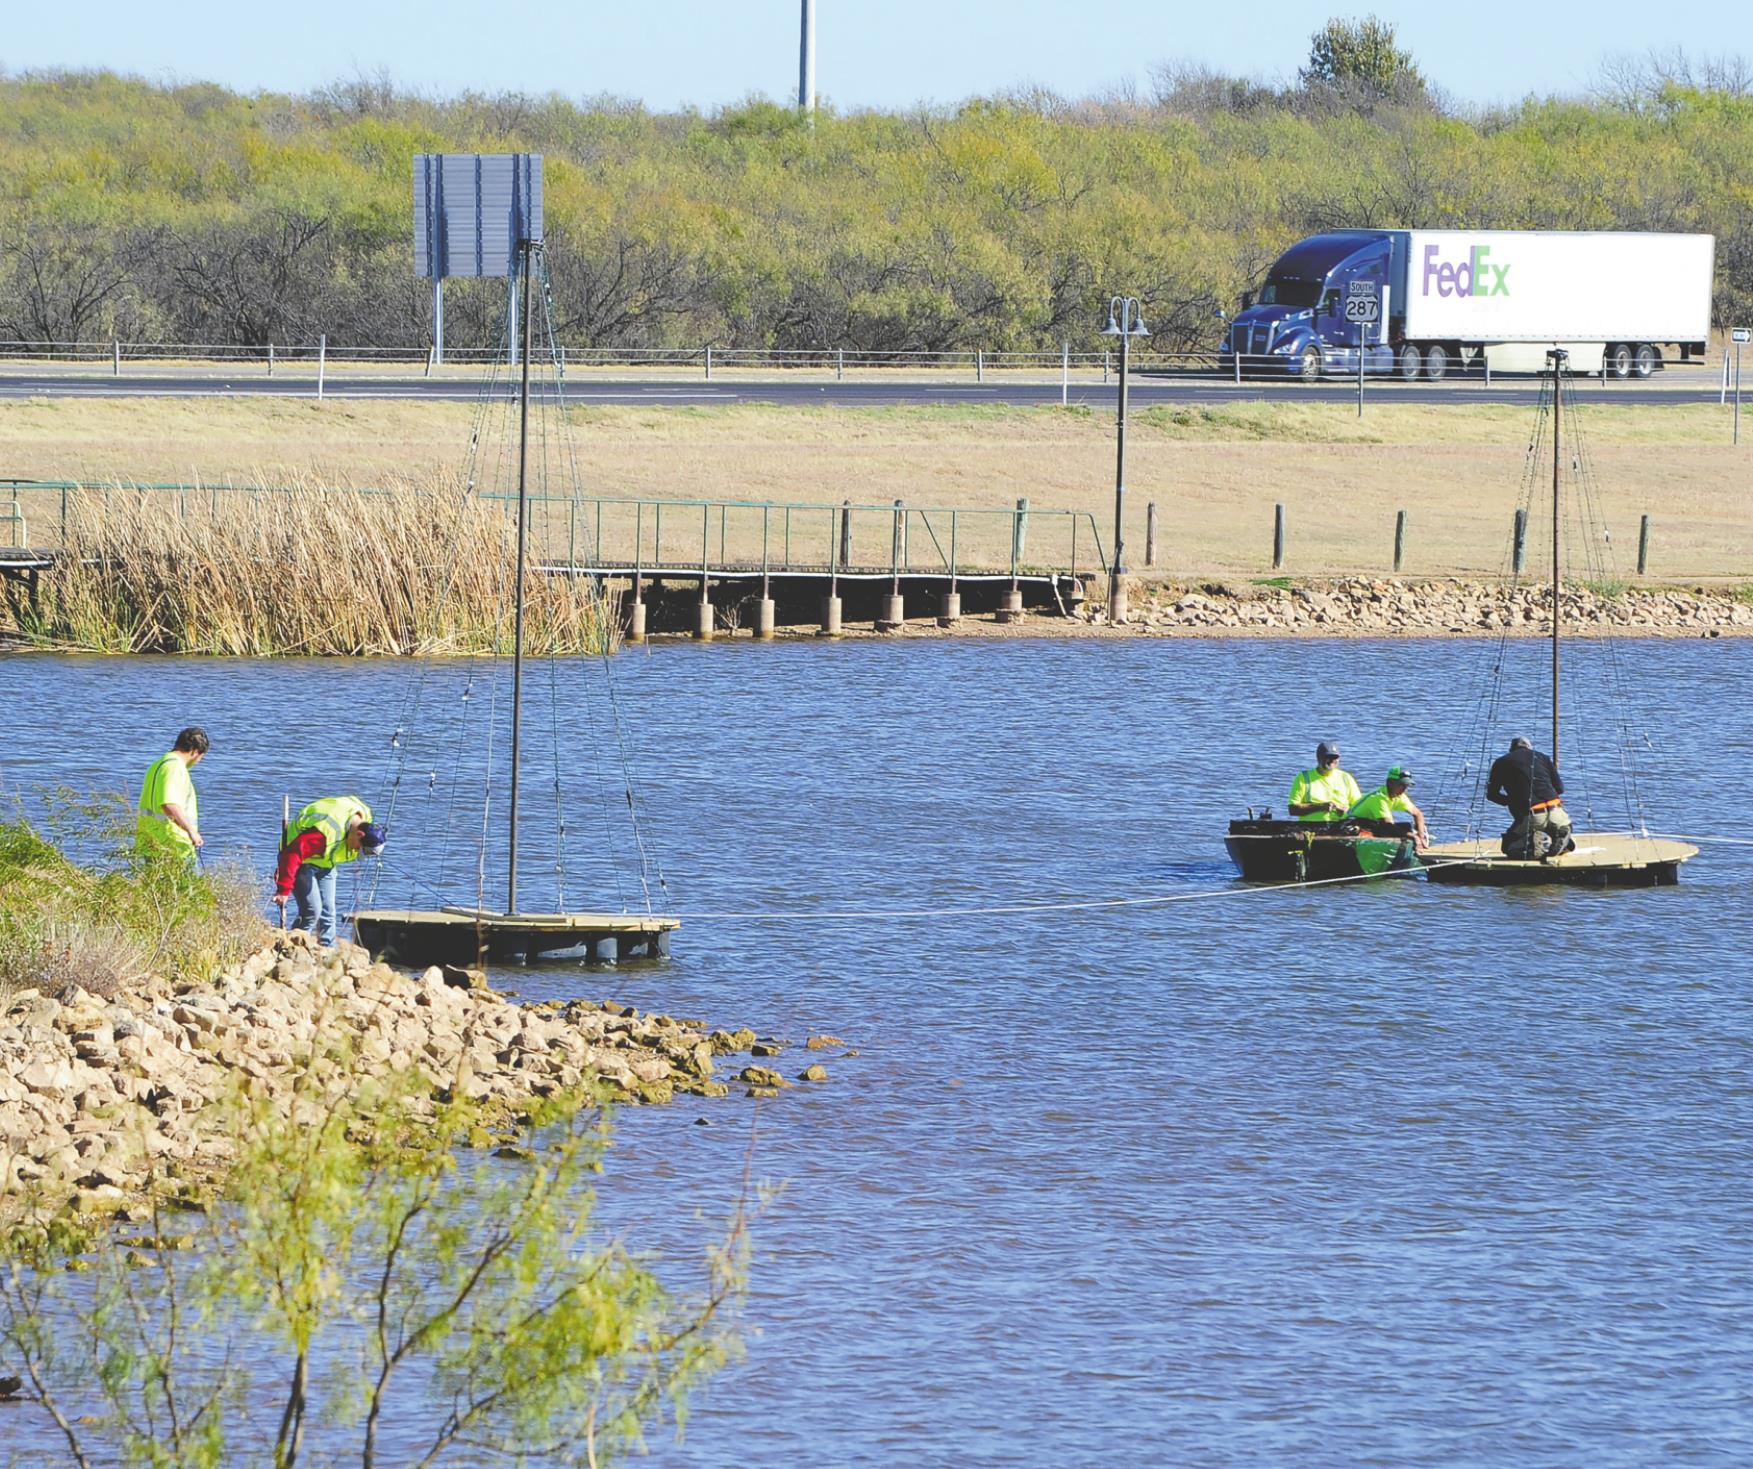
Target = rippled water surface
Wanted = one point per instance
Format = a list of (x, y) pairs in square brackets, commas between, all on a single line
[(1387, 1174)]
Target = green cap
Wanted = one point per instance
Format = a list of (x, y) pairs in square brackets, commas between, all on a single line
[(1400, 773)]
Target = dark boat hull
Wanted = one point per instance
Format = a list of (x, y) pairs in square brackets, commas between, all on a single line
[(1266, 850)]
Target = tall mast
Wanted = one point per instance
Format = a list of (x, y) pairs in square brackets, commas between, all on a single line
[(526, 261), (1558, 355)]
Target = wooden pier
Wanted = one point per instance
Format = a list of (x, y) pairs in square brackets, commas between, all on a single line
[(472, 936)]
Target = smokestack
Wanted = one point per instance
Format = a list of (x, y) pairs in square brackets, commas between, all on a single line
[(806, 61)]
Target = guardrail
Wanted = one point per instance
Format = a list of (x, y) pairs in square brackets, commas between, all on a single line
[(652, 537), (706, 358)]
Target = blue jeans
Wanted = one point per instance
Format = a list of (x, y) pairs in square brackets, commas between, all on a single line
[(314, 888)]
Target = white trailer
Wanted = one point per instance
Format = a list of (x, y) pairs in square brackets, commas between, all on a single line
[(1618, 299)]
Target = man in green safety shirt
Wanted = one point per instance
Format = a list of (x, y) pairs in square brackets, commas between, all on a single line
[(324, 834), (168, 823), (1325, 793), (1381, 804)]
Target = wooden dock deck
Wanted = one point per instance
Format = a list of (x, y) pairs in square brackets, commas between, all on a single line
[(453, 935), (1601, 860)]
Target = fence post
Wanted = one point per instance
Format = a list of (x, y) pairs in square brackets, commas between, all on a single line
[(1277, 537), (1519, 540), (1236, 357), (708, 352), (1020, 540), (1104, 367), (1150, 533), (322, 362), (979, 365), (1399, 538), (116, 360), (845, 533), (1064, 374), (270, 359), (1643, 544), (839, 364)]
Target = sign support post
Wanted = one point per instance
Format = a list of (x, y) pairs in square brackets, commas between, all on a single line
[(1362, 310), (1740, 334)]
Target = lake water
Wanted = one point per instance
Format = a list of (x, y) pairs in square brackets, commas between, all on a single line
[(1388, 1174)]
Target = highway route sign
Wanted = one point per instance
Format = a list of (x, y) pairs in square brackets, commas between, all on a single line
[(1741, 334)]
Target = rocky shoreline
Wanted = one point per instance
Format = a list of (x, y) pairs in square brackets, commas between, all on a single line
[(1373, 607), (101, 1099)]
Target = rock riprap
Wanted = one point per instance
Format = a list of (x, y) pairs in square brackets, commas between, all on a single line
[(1366, 607), (97, 1095)]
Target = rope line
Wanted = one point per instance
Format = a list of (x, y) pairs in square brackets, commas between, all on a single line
[(1085, 905)]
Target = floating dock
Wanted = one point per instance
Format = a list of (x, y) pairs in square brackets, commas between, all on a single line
[(466, 936), (1600, 860)]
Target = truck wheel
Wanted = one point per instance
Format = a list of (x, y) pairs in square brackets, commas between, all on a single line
[(1646, 359), (1309, 364), (1619, 359), (1411, 360), (1436, 364)]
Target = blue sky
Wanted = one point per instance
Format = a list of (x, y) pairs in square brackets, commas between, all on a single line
[(882, 53)]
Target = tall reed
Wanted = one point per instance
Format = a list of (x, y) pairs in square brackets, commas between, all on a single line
[(302, 569)]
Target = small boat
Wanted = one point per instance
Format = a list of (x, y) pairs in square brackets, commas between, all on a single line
[(1269, 849)]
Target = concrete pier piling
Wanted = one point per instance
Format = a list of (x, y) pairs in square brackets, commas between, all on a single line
[(950, 610), (703, 617), (1117, 598), (1010, 605), (636, 622), (894, 613), (830, 617), (763, 617)]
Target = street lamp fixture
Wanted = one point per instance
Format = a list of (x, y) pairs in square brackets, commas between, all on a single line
[(1125, 321)]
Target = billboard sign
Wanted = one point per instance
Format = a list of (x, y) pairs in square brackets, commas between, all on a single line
[(473, 210)]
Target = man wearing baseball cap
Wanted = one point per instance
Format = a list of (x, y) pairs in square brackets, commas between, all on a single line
[(1389, 797), (324, 834), (1325, 793)]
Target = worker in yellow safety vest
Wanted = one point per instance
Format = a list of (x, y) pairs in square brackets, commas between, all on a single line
[(1389, 797), (324, 834), (168, 823), (1325, 793)]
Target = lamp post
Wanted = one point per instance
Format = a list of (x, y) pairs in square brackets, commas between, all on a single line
[(1125, 321)]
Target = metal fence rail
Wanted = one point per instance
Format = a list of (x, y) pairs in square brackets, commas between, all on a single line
[(650, 537), (703, 359)]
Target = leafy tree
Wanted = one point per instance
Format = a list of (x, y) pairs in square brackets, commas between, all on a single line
[(1359, 60)]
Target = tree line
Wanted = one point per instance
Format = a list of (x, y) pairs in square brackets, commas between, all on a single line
[(190, 213)]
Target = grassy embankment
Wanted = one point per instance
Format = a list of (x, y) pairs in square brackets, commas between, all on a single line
[(102, 928), (1214, 473)]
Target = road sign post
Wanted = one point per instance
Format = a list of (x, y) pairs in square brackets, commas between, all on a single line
[(1363, 309), (1739, 335)]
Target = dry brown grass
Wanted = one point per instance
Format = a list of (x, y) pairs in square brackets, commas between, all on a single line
[(305, 571), (1213, 473)]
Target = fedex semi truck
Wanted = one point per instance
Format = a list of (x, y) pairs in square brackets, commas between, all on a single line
[(1424, 303)]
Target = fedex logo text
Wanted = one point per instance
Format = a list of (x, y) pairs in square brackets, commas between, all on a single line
[(1474, 276)]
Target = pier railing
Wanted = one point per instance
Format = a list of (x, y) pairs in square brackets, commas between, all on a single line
[(651, 537)]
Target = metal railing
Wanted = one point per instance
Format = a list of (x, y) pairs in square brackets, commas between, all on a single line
[(654, 537), (706, 358)]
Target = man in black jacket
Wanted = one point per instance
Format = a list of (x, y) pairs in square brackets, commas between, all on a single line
[(1529, 784)]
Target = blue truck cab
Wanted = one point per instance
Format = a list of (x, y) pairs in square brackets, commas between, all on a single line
[(1298, 325)]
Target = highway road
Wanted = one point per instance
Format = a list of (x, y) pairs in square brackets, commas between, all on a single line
[(860, 392)]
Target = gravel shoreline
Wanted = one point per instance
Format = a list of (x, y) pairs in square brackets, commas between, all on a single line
[(103, 1100)]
